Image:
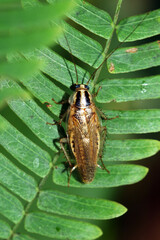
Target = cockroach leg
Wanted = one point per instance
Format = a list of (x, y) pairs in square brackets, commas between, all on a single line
[(51, 123), (60, 121), (62, 141), (48, 104), (103, 138), (72, 169), (104, 116), (61, 102), (104, 167), (95, 94)]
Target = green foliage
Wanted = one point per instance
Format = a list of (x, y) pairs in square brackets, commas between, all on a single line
[(129, 89), (149, 27), (10, 206), (77, 206), (5, 230), (57, 227), (145, 56), (30, 148), (26, 29)]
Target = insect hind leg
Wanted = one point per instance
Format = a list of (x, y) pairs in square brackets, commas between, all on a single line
[(62, 141), (72, 168), (103, 138)]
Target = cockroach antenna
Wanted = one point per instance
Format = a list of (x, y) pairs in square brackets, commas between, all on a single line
[(119, 45), (72, 58)]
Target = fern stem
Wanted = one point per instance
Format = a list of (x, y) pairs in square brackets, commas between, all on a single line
[(41, 184), (109, 39)]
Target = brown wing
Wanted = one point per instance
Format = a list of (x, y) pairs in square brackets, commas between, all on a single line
[(84, 140)]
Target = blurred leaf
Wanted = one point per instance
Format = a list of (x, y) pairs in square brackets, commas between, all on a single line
[(130, 59), (26, 29), (8, 94), (77, 206), (20, 69), (10, 206), (134, 121), (36, 17), (5, 230), (129, 149), (56, 227), (9, 4), (17, 180), (149, 25), (122, 90), (22, 237), (24, 41), (119, 175)]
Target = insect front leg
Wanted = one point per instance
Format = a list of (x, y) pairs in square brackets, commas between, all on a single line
[(60, 121), (61, 102), (95, 94), (50, 105), (103, 134)]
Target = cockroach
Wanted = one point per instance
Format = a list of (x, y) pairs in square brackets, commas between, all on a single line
[(85, 133)]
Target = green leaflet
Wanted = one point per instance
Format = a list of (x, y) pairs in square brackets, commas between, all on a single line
[(129, 149), (86, 14), (34, 117), (10, 206), (17, 180), (24, 150), (44, 90), (119, 175), (133, 121), (56, 227), (77, 206), (134, 58), (83, 47), (58, 68), (5, 230), (22, 237), (148, 26), (129, 89)]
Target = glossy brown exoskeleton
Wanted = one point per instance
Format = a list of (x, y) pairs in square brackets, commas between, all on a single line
[(84, 132)]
